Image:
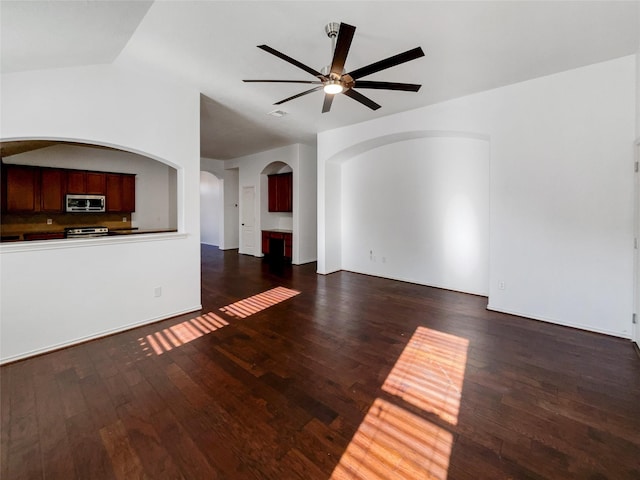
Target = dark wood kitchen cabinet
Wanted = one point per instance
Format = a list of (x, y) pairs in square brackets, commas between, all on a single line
[(121, 192), (52, 190), (280, 192), (280, 239), (128, 193), (96, 183), (76, 181), (90, 183), (20, 189)]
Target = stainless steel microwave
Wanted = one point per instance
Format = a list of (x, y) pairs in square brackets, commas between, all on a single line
[(85, 203)]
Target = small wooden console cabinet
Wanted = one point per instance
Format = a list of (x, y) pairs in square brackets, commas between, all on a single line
[(275, 240)]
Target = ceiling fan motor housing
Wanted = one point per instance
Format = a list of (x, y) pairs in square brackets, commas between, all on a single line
[(332, 29)]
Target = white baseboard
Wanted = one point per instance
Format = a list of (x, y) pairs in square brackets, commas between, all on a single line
[(579, 326), (95, 336)]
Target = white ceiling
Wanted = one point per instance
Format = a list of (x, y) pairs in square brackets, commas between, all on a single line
[(469, 47)]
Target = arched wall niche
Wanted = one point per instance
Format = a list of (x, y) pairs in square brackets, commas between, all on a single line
[(273, 220), (276, 167), (359, 148), (430, 226)]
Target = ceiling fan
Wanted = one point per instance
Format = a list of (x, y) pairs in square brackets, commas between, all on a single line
[(334, 80)]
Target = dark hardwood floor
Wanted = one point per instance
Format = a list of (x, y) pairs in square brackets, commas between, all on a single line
[(289, 375)]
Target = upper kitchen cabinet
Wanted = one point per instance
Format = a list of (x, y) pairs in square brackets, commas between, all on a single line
[(52, 190), (121, 192), (20, 189), (280, 188), (92, 183)]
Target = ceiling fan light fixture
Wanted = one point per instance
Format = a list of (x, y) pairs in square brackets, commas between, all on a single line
[(333, 86)]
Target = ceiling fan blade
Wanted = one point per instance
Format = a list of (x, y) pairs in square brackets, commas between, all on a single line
[(292, 61), (299, 95), (328, 100), (387, 63), (343, 43), (407, 87), (284, 81), (357, 96)]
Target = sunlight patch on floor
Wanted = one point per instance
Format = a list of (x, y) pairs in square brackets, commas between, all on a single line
[(259, 302), (171, 337), (430, 372), (164, 340), (392, 442)]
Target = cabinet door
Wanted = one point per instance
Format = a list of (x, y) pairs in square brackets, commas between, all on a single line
[(265, 243), (285, 192), (95, 183), (288, 245), (114, 192), (128, 193), (273, 192), (76, 181), (280, 187), (22, 188), (52, 183)]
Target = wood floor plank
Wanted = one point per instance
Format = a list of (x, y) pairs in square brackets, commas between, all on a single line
[(124, 459), (24, 456), (52, 430), (286, 390)]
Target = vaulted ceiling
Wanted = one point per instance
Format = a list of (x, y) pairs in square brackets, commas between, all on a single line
[(211, 45)]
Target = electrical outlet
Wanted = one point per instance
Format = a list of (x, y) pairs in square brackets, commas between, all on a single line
[(124, 219), (501, 285), (49, 221), (157, 292)]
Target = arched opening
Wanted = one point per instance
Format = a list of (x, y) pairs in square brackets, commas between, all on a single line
[(152, 182)]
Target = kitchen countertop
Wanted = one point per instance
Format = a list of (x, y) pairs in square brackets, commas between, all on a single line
[(137, 231), (277, 230), (57, 235)]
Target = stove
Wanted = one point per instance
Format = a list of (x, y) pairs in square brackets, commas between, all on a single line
[(84, 232)]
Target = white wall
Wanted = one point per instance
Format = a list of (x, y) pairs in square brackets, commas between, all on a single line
[(210, 208), (228, 214), (154, 184), (561, 209), (250, 173), (231, 209), (113, 279), (422, 217), (636, 328), (307, 201)]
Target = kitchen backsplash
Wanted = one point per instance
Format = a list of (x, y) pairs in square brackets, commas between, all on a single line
[(16, 224)]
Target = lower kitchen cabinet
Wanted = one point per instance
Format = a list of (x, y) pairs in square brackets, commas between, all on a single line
[(277, 243)]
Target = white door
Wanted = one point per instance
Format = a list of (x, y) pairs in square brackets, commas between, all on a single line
[(247, 220)]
